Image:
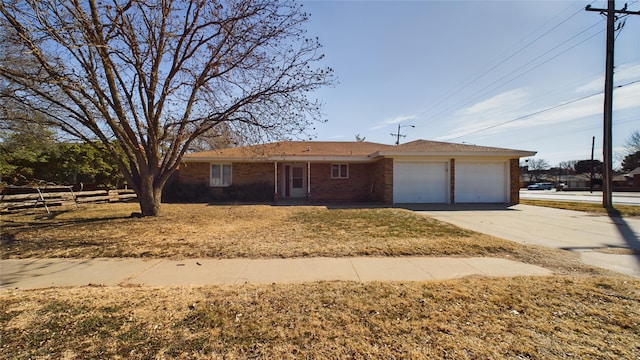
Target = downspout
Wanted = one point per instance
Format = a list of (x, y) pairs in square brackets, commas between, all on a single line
[(308, 180), (275, 181), (452, 181)]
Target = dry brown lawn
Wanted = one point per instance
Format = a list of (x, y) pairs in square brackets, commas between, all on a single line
[(581, 312), (473, 318), (256, 231)]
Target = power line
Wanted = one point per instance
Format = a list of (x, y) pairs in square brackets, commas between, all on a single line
[(558, 134), (490, 90), (478, 77), (540, 111)]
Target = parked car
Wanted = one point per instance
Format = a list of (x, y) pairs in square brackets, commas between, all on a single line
[(540, 186)]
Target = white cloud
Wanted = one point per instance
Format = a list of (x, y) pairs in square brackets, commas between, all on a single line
[(490, 122), (624, 98), (498, 104), (623, 74), (393, 120), (488, 113)]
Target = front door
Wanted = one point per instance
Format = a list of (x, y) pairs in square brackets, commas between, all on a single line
[(295, 181)]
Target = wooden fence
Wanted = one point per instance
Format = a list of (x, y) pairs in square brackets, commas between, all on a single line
[(60, 196)]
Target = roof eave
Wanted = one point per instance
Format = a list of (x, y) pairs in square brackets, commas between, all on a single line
[(518, 154), (282, 158)]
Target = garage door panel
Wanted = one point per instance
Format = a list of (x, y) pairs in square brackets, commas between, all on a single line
[(481, 182), (420, 182)]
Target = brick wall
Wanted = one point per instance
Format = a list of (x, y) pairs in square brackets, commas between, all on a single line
[(514, 186), (242, 173), (383, 181), (356, 188), (366, 182), (194, 173), (251, 173), (452, 181)]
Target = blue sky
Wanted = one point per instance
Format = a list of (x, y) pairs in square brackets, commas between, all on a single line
[(492, 73)]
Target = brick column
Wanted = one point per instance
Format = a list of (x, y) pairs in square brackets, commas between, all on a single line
[(452, 180), (276, 193), (388, 181), (514, 181)]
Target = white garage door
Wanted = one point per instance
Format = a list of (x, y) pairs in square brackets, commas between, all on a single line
[(420, 182), (480, 182)]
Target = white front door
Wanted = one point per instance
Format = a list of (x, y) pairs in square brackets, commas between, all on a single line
[(295, 181)]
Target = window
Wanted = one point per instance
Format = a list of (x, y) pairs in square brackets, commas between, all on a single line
[(339, 171), (297, 177), (220, 175)]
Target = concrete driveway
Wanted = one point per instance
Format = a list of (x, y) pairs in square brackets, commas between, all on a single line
[(562, 229)]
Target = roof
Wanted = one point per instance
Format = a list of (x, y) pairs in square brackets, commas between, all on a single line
[(292, 149), (427, 147), (341, 150)]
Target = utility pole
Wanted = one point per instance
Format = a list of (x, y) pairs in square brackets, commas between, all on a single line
[(607, 148), (593, 143), (398, 135)]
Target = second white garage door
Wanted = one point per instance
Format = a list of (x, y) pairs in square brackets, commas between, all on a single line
[(420, 182), (478, 182)]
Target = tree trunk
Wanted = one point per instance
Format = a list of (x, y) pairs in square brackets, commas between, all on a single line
[(149, 197)]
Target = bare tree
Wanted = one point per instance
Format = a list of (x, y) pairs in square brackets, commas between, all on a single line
[(631, 157), (219, 137), (632, 144), (536, 169), (154, 75)]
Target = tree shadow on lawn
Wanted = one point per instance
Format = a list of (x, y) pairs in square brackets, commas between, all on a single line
[(10, 228), (35, 268)]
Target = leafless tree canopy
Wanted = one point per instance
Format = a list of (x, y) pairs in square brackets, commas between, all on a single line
[(150, 76), (632, 144)]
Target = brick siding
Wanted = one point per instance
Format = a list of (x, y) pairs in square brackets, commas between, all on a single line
[(514, 186), (356, 188), (367, 182), (251, 173), (194, 173), (452, 181), (383, 181)]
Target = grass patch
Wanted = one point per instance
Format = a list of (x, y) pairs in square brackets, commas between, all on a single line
[(621, 210), (260, 231), (533, 318)]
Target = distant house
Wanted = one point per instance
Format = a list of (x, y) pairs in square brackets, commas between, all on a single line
[(577, 181), (416, 172), (634, 176), (630, 179)]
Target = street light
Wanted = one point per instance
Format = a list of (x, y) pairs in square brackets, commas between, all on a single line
[(398, 135)]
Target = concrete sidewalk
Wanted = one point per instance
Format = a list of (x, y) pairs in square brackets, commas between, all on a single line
[(43, 273)]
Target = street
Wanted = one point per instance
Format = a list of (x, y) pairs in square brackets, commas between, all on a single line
[(621, 198)]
